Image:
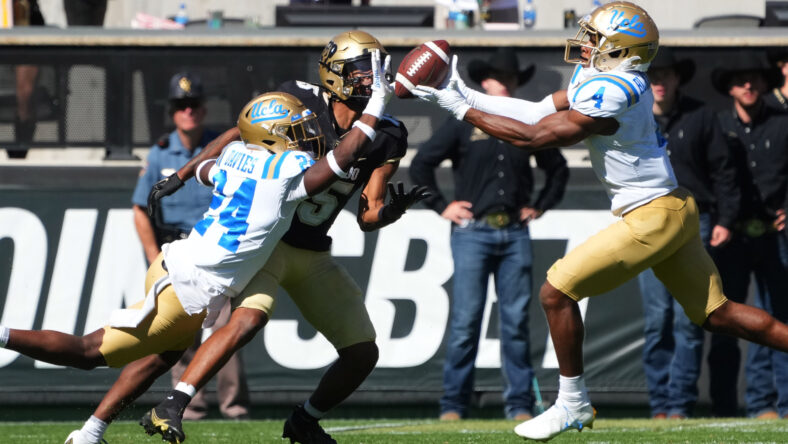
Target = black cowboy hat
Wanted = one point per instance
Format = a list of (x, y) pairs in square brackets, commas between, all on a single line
[(502, 61), (665, 58), (737, 63)]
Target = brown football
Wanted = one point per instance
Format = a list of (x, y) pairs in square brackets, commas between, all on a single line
[(427, 64)]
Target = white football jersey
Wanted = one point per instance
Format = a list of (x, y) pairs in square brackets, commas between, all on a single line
[(633, 163), (255, 195)]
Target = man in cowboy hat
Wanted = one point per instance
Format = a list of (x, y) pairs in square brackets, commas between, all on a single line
[(758, 137), (702, 163), (490, 212)]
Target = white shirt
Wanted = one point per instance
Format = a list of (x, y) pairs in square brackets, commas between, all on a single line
[(254, 199), (633, 163)]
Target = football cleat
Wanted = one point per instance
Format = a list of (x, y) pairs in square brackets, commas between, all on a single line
[(166, 421), (304, 429), (556, 420), (76, 437)]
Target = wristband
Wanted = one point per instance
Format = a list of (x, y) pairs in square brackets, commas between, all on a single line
[(197, 172), (368, 130), (332, 163)]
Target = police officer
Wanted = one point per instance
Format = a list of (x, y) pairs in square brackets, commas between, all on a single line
[(758, 136), (176, 215)]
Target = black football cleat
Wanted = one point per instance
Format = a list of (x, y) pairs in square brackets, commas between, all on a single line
[(304, 429), (166, 421)]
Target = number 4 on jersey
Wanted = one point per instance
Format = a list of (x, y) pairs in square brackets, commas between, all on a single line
[(597, 97)]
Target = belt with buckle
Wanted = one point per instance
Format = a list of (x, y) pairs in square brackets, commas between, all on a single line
[(498, 220)]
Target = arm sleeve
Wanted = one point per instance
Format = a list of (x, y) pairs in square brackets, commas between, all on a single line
[(150, 175), (422, 168), (722, 172), (554, 165), (517, 109)]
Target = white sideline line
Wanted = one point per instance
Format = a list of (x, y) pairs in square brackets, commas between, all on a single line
[(380, 425)]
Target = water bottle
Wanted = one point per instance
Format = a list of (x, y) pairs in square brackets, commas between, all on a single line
[(182, 17), (529, 14)]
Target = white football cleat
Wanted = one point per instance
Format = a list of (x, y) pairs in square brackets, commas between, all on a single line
[(556, 420), (76, 437)]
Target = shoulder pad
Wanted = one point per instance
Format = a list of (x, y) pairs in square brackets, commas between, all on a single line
[(607, 95), (287, 164)]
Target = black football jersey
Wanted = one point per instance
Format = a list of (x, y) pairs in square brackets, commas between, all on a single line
[(314, 216)]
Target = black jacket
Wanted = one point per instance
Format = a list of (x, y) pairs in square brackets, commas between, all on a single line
[(494, 176), (761, 150), (701, 159)]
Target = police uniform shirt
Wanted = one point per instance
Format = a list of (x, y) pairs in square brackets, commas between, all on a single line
[(315, 215), (184, 208), (761, 149), (493, 175)]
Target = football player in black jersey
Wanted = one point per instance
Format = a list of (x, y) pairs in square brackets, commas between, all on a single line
[(325, 293)]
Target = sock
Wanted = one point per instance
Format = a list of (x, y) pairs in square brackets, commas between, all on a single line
[(4, 333), (572, 391), (312, 411), (186, 388), (178, 399), (94, 429)]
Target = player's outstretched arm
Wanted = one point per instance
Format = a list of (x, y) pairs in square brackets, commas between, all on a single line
[(338, 161), (564, 128)]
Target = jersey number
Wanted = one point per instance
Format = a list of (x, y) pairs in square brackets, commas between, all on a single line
[(597, 97), (317, 209), (233, 214)]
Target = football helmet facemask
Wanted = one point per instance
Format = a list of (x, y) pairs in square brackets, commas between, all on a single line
[(279, 122), (345, 54), (615, 33)]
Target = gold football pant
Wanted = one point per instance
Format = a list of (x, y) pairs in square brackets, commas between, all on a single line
[(167, 328), (324, 292), (663, 235)]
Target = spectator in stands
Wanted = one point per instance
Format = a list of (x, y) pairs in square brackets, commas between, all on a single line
[(26, 13), (702, 162), (175, 220), (758, 136), (778, 97), (85, 12), (490, 212)]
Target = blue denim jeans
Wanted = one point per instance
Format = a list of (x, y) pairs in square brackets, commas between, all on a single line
[(673, 347), (766, 370), (479, 250)]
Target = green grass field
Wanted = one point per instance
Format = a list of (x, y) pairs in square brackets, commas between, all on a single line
[(396, 431)]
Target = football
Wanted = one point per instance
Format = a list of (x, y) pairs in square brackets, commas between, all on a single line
[(427, 64)]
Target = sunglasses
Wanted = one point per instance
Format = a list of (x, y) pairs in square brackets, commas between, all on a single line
[(182, 104)]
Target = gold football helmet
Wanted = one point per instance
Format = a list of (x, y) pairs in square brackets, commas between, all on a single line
[(345, 53), (614, 33), (279, 122)]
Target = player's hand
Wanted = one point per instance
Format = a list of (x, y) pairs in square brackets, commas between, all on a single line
[(448, 98), (162, 188), (459, 83), (382, 89), (401, 201)]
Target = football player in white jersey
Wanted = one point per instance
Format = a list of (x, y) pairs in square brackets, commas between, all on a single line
[(257, 184), (608, 105)]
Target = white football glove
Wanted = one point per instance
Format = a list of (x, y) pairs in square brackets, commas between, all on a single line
[(381, 88), (448, 98), (469, 93)]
